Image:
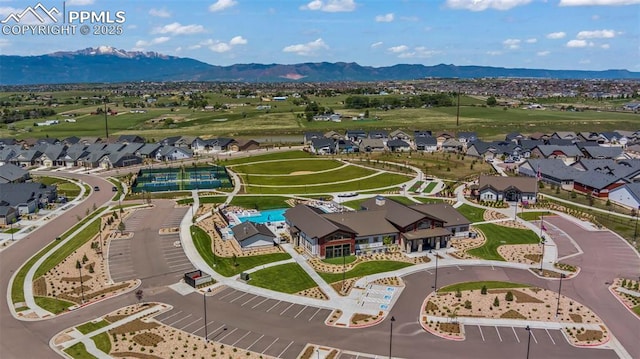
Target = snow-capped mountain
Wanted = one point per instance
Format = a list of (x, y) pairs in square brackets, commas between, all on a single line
[(110, 50)]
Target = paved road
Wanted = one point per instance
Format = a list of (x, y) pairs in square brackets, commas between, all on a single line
[(16, 337)]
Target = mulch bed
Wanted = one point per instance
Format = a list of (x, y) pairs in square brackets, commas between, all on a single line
[(512, 314), (133, 326), (40, 287), (589, 335), (577, 318), (518, 296), (147, 339), (134, 355), (76, 279), (450, 327), (431, 307)]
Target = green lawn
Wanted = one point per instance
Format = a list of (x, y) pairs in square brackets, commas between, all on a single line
[(285, 167), (268, 157), (533, 216), (53, 305), (212, 199), (499, 235), (430, 187), (636, 309), (78, 351), (260, 202), (102, 342), (429, 200), (226, 265), (12, 230), (117, 184), (342, 174), (478, 285), (340, 260), (366, 268), (381, 180), (285, 278), (89, 327), (473, 214), (66, 187)]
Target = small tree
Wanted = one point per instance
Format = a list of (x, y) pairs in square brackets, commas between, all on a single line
[(84, 258), (139, 295), (467, 304), (624, 283), (115, 215), (508, 297), (121, 227), (483, 290), (91, 270), (496, 302), (78, 264), (235, 260), (458, 294)]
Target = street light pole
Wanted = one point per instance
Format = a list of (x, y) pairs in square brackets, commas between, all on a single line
[(635, 232), (79, 266), (344, 264), (559, 291), (528, 340), (393, 319), (206, 327), (435, 282)]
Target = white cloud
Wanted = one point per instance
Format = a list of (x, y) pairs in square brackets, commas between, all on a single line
[(605, 46), (596, 34), (399, 48), (330, 5), (4, 43), (308, 49), (222, 5), (194, 47), (141, 44), (595, 17), (376, 44), (597, 2), (494, 53), (585, 61), (532, 41), (543, 53), (238, 40), (177, 29), (385, 18), (556, 35), (80, 2), (220, 47), (578, 43), (159, 12), (481, 5), (511, 44)]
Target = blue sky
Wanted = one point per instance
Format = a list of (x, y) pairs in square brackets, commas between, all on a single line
[(551, 34)]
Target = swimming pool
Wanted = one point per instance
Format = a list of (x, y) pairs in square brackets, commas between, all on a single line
[(271, 215)]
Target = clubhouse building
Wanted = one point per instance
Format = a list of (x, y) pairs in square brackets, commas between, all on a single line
[(381, 222)]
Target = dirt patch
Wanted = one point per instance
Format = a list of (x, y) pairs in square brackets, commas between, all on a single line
[(453, 328), (40, 287), (577, 318), (297, 173), (359, 318), (589, 335), (133, 326), (85, 278), (147, 339), (134, 355), (520, 297), (512, 314), (392, 281), (314, 292), (520, 253)]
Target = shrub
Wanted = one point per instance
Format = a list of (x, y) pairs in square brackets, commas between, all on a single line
[(509, 296), (458, 294), (467, 304), (624, 283), (496, 302), (483, 290)]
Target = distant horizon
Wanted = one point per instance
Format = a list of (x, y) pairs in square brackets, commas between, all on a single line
[(582, 35), (313, 62)]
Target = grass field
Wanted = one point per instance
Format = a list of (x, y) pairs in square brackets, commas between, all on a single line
[(499, 235), (380, 180), (335, 175), (89, 327), (473, 214), (365, 268), (53, 305), (102, 342), (533, 216), (479, 285), (65, 187), (269, 157), (226, 265), (430, 187), (286, 167), (285, 278), (76, 242), (260, 202), (78, 351), (340, 260)]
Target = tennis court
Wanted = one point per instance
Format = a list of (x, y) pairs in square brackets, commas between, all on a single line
[(181, 179)]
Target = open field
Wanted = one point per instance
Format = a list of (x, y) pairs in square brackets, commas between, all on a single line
[(275, 167), (499, 235), (286, 278), (380, 180), (312, 178), (260, 202), (473, 214), (363, 269)]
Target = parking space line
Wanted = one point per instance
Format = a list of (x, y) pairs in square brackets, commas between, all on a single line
[(267, 348), (514, 333), (252, 298), (481, 334), (234, 299), (285, 349), (550, 337), (181, 319), (314, 314), (534, 337), (213, 332), (459, 268), (172, 315), (222, 291), (226, 335), (497, 331), (232, 292), (195, 321), (290, 305), (242, 337), (274, 306), (301, 310), (264, 300), (257, 340)]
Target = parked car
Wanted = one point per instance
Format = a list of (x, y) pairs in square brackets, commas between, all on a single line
[(96, 188), (114, 189)]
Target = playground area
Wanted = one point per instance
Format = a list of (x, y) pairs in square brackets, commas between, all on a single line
[(181, 179)]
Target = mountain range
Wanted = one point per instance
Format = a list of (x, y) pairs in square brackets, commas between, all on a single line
[(106, 64)]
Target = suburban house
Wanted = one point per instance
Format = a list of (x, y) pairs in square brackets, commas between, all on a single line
[(308, 136), (569, 154), (627, 195), (398, 145), (26, 198), (8, 215), (322, 146), (170, 153), (372, 145), (400, 135), (499, 188), (13, 174), (426, 144), (553, 171), (252, 235), (380, 223)]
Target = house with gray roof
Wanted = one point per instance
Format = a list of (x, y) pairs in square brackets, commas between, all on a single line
[(426, 144), (171, 153), (6, 154), (569, 154), (371, 145), (552, 170), (148, 150), (10, 173), (252, 235), (119, 159), (26, 158), (601, 152), (500, 188), (627, 195), (27, 197), (322, 146), (397, 145), (8, 214)]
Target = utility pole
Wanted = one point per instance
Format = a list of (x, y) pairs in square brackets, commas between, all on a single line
[(106, 125), (458, 108)]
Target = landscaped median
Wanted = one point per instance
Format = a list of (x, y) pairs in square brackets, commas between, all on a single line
[(444, 312), (74, 273)]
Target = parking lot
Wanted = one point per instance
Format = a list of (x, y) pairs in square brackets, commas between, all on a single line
[(493, 335)]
